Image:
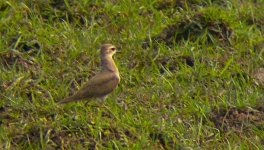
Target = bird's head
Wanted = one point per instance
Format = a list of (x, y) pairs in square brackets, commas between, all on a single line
[(108, 50)]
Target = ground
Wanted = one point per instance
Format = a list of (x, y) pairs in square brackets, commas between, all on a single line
[(191, 74)]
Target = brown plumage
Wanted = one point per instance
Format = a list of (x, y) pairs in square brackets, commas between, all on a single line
[(102, 83)]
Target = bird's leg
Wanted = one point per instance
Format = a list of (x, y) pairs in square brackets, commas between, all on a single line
[(102, 99)]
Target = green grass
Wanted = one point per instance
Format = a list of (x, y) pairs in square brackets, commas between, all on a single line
[(187, 74)]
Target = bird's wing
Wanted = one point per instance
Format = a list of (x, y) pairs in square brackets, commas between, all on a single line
[(100, 85)]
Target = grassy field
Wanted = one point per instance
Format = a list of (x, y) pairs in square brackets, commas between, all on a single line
[(192, 74)]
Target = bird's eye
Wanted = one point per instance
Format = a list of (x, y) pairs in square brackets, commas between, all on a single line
[(113, 49)]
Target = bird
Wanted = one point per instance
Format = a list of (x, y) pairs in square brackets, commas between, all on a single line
[(103, 83)]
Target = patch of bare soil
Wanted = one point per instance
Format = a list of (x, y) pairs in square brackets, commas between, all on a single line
[(107, 134), (174, 63), (8, 60), (258, 75), (184, 4), (240, 120), (193, 28)]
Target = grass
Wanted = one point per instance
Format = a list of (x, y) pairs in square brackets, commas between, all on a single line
[(187, 74)]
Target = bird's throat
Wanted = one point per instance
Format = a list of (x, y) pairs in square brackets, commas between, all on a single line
[(108, 64)]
